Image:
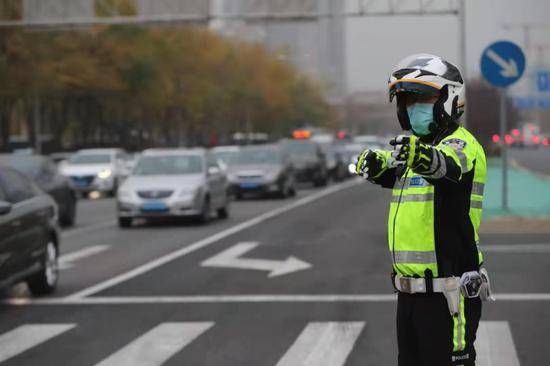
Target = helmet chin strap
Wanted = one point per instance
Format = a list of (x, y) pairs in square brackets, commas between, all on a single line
[(402, 114)]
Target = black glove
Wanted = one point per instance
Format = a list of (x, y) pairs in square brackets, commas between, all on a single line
[(410, 151), (370, 164)]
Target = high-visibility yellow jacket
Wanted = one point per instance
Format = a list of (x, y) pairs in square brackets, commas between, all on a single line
[(434, 220)]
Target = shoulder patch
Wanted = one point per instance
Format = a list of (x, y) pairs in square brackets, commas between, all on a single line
[(456, 144)]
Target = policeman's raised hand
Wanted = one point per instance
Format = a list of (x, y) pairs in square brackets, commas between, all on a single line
[(361, 165), (401, 152), (370, 164), (410, 151)]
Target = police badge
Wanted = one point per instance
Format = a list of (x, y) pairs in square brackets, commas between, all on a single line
[(455, 144)]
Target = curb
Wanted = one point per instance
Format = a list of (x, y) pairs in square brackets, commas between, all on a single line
[(514, 164)]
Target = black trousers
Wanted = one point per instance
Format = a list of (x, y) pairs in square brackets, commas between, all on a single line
[(427, 334)]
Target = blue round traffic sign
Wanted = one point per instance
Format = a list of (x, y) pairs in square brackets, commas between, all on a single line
[(502, 63)]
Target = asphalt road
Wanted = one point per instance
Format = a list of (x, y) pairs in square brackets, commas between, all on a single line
[(282, 282), (536, 160)]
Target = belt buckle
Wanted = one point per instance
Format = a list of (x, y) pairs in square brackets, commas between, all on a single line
[(405, 284)]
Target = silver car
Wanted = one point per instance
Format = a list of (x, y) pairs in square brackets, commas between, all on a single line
[(174, 183), (99, 170), (227, 155)]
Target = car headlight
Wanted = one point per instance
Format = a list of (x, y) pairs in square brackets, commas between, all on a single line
[(105, 173), (272, 175), (188, 192)]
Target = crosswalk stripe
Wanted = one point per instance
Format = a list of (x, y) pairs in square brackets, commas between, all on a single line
[(494, 345), (323, 343), (157, 345), (28, 336)]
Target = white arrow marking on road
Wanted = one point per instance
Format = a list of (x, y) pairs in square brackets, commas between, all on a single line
[(327, 344), (66, 260), (157, 345), (509, 68), (230, 259), (28, 336), (495, 345)]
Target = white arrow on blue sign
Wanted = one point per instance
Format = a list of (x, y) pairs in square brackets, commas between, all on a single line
[(543, 80), (502, 63)]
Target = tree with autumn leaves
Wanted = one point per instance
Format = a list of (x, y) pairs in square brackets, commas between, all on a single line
[(138, 87)]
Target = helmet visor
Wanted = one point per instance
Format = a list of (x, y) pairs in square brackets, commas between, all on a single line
[(423, 88)]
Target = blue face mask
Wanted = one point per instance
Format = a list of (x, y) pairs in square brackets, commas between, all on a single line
[(420, 116)]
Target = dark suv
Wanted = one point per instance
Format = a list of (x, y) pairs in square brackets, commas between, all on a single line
[(28, 234), (308, 160), (44, 173)]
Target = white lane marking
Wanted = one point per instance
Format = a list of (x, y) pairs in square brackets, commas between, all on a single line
[(197, 299), (494, 345), (516, 248), (66, 260), (72, 232), (323, 343), (208, 241), (112, 300), (28, 336), (231, 258), (157, 345), (523, 297)]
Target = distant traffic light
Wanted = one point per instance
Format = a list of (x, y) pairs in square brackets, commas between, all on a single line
[(342, 135), (496, 138)]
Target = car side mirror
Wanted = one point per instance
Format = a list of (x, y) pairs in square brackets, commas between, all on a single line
[(5, 207), (213, 170)]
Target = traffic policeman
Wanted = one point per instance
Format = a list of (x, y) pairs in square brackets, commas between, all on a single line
[(437, 176)]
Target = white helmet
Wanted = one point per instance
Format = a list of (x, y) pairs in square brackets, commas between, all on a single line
[(429, 75)]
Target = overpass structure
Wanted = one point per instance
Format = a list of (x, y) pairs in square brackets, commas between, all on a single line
[(308, 33), (54, 13)]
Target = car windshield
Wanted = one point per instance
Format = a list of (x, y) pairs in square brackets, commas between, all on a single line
[(301, 150), (259, 156), (28, 165), (90, 159), (228, 157), (331, 154), (169, 165)]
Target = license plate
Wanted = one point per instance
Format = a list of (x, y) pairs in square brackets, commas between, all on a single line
[(249, 185), (154, 206), (81, 183)]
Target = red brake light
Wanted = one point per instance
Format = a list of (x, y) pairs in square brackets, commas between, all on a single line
[(301, 134)]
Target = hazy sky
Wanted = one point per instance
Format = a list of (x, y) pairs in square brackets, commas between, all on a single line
[(375, 44)]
